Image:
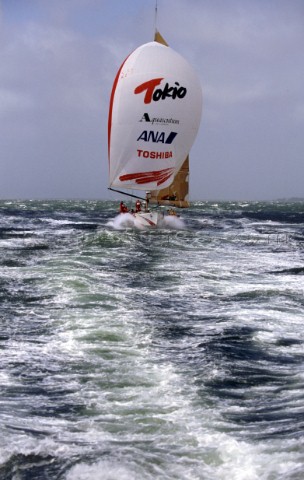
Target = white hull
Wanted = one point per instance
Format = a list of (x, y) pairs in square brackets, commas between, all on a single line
[(148, 219)]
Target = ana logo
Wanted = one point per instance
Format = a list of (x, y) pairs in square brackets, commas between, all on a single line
[(156, 137), (155, 94)]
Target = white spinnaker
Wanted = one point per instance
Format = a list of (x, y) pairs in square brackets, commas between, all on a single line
[(154, 117)]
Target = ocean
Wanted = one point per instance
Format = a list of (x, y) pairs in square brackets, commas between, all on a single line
[(170, 354)]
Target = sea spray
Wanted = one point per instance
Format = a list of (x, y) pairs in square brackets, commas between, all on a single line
[(127, 220)]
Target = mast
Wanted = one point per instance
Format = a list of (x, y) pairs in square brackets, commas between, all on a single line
[(157, 36), (155, 19), (177, 193)]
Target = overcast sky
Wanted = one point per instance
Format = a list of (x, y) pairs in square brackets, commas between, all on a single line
[(58, 59)]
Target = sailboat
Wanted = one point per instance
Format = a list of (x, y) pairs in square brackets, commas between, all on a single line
[(154, 116)]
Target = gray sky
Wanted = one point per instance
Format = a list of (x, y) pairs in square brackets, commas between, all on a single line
[(58, 59)]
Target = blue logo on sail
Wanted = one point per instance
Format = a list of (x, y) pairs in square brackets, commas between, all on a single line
[(157, 137)]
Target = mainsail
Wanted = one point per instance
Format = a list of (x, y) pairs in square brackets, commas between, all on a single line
[(159, 38), (177, 194), (154, 116)]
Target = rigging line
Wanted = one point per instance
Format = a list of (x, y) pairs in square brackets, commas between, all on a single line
[(125, 193), (130, 195)]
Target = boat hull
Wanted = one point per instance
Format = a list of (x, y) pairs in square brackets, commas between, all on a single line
[(148, 219)]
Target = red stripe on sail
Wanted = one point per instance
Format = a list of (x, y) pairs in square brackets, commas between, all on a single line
[(164, 179), (156, 178), (147, 177), (111, 105), (141, 181)]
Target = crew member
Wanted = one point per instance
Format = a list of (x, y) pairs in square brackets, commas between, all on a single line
[(137, 206), (123, 208)]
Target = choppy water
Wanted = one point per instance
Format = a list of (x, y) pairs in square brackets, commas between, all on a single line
[(166, 354)]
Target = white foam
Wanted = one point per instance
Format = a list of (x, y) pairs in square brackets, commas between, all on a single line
[(127, 220), (173, 222), (102, 470), (122, 221)]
